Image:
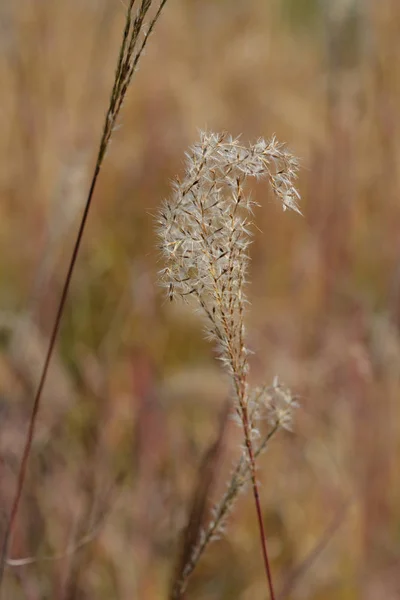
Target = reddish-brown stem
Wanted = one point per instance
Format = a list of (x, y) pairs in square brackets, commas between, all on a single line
[(38, 395), (130, 37), (249, 446), (240, 387)]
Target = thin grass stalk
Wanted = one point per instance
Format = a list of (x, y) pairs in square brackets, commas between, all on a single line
[(241, 392), (196, 522), (127, 63), (237, 483), (261, 528)]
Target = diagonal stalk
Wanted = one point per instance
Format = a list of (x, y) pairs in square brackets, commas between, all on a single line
[(36, 402), (127, 62)]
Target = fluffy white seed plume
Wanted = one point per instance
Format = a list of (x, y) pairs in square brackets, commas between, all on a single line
[(205, 231)]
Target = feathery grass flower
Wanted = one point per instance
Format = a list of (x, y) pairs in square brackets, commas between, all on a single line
[(205, 232)]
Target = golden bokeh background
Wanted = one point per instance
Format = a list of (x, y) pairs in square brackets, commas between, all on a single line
[(135, 394)]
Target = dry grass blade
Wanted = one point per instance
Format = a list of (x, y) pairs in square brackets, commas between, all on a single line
[(212, 530), (201, 495), (133, 43)]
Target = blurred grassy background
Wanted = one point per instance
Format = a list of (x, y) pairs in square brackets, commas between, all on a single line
[(134, 393)]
